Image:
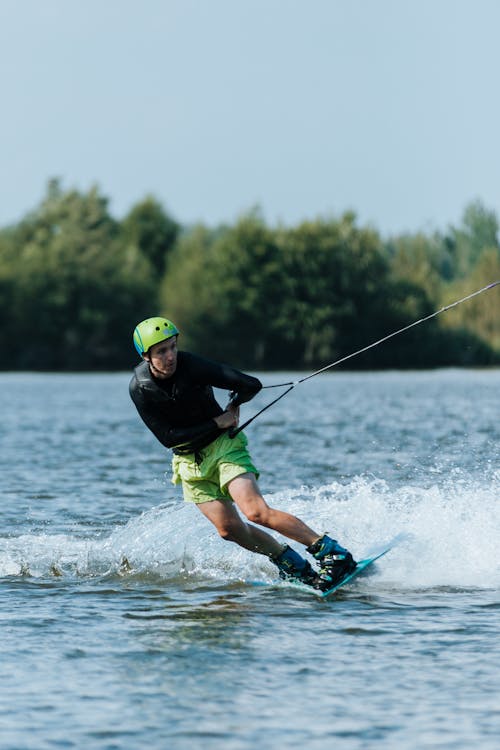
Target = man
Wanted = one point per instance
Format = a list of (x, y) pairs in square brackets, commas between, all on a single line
[(173, 393)]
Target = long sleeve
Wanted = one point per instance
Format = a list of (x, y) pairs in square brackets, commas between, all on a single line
[(169, 435), (180, 410), (244, 386)]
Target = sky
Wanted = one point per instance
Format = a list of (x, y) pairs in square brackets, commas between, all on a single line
[(304, 108)]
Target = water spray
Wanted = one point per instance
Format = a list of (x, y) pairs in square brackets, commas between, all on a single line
[(293, 383)]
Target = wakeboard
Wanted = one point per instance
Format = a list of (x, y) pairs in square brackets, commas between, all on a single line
[(360, 568)]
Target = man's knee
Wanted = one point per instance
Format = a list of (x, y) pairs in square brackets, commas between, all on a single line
[(230, 532), (246, 494), (259, 514)]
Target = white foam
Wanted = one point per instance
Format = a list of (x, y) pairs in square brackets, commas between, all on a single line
[(449, 537)]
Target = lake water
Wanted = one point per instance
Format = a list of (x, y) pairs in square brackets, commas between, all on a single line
[(127, 623)]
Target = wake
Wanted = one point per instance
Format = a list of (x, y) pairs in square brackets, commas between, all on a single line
[(447, 537)]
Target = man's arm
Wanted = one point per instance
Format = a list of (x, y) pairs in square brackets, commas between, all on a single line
[(243, 387), (167, 434)]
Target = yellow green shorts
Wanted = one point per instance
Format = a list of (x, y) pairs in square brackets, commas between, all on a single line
[(218, 463)]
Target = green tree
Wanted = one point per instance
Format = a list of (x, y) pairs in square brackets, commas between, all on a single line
[(149, 228), (8, 262), (341, 296), (478, 231), (76, 289), (481, 315), (448, 267), (296, 298), (333, 274), (74, 282), (225, 286), (186, 294), (423, 261)]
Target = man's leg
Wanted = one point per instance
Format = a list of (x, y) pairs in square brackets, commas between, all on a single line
[(246, 494), (231, 527), (335, 561)]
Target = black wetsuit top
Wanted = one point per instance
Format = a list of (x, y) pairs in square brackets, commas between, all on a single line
[(179, 410)]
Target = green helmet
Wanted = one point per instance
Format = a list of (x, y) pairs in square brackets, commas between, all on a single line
[(151, 331)]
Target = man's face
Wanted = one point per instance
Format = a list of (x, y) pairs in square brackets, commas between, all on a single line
[(162, 358)]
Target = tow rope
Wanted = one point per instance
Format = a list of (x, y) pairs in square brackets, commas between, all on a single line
[(293, 383)]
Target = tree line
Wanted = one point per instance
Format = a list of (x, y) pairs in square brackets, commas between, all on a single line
[(74, 281)]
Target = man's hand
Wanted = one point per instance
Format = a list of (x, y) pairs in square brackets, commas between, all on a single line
[(228, 418)]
